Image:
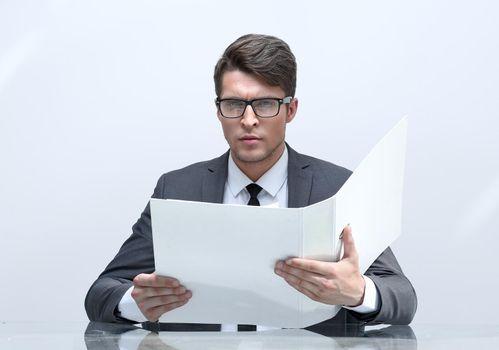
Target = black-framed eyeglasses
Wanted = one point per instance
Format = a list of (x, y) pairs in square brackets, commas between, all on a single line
[(266, 107)]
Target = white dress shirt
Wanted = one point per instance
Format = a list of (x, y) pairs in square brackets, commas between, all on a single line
[(274, 193)]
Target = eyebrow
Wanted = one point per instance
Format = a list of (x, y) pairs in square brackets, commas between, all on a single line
[(256, 98)]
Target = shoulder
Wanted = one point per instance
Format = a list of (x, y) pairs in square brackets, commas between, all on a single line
[(328, 177), (324, 167), (318, 166), (191, 171), (325, 178), (186, 182)]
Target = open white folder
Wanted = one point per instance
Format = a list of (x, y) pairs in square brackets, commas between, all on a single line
[(228, 263)]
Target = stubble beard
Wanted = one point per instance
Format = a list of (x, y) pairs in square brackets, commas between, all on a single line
[(252, 159)]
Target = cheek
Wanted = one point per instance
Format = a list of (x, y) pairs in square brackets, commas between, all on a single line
[(228, 130), (278, 129)]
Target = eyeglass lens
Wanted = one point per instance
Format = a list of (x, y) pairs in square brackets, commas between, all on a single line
[(262, 108)]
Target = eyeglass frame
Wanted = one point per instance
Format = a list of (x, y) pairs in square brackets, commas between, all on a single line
[(284, 100)]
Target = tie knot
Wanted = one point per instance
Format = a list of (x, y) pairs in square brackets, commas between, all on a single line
[(253, 190)]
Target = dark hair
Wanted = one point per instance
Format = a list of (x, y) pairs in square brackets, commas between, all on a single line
[(267, 57)]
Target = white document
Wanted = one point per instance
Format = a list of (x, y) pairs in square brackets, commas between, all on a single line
[(226, 254)]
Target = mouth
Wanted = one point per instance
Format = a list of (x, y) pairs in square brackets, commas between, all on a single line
[(249, 139)]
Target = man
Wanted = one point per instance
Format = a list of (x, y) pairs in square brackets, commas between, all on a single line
[(255, 82)]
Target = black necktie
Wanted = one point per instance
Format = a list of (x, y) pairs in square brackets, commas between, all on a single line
[(253, 190)]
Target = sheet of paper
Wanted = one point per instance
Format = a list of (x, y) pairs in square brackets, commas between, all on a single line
[(371, 200), (226, 253)]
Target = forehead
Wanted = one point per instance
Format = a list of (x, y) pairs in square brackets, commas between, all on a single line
[(243, 85)]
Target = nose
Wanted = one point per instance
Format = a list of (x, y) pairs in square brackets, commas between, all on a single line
[(249, 117)]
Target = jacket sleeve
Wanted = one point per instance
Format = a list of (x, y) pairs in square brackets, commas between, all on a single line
[(398, 301), (134, 257)]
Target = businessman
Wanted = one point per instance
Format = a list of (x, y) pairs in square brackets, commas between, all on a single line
[(255, 81)]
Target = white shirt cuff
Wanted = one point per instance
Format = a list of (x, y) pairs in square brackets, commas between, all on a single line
[(371, 299), (129, 309)]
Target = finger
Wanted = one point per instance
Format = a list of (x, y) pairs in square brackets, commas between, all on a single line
[(315, 266), (297, 272), (304, 288), (322, 290), (349, 250), (155, 313), (153, 280), (156, 301), (306, 279), (278, 264), (140, 293)]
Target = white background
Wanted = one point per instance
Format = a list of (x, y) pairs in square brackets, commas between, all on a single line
[(99, 98)]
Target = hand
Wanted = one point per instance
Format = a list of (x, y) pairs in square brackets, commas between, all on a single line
[(156, 294), (336, 283)]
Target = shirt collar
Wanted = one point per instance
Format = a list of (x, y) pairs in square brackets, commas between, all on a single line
[(271, 181)]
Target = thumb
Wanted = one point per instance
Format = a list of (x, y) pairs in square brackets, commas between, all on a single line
[(349, 250)]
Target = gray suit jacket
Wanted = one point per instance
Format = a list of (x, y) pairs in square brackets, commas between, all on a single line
[(310, 180)]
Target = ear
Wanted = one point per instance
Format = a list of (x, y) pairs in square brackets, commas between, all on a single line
[(292, 109)]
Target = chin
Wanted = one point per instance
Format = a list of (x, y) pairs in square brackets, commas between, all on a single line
[(251, 156)]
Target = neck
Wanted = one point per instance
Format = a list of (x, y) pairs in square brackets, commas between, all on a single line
[(255, 170)]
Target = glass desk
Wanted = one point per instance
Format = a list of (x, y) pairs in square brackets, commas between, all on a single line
[(53, 336)]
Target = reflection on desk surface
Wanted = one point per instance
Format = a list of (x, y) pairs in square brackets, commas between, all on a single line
[(112, 336), (82, 336)]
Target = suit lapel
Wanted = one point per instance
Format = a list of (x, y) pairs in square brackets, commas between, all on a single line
[(299, 180), (214, 180)]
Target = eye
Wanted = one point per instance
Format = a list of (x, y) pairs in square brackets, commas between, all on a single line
[(232, 104), (265, 104)]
